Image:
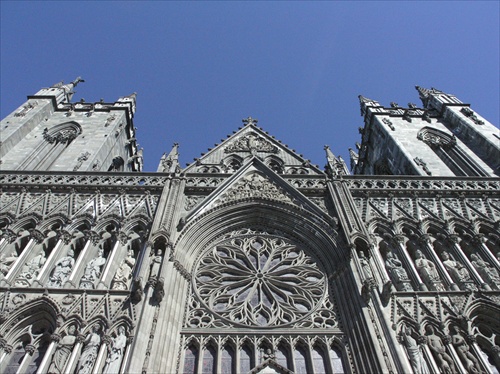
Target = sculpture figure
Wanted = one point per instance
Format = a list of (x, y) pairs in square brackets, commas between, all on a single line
[(32, 268), (365, 265), (6, 262), (488, 272), (90, 351), (124, 272), (443, 359), (62, 270), (61, 355), (397, 272), (470, 362), (456, 270), (155, 265), (417, 360), (92, 271), (426, 269), (116, 351)]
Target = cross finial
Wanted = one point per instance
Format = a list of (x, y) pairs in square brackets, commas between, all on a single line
[(249, 121)]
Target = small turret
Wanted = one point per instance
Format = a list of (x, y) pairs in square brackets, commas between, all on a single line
[(170, 163), (335, 165)]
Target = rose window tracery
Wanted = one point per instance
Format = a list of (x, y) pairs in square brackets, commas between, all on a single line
[(261, 281)]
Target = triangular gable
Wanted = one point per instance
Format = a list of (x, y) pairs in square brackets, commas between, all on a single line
[(270, 366), (245, 143), (255, 180)]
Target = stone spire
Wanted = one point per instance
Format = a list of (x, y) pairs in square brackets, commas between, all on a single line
[(170, 163), (335, 165), (365, 102)]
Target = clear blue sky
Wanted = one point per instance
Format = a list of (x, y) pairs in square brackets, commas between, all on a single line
[(200, 67)]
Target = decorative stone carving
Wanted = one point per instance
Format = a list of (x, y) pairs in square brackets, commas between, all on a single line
[(415, 355), (488, 273), (90, 350), (83, 157), (428, 272), (469, 113), (155, 265), (397, 273), (62, 270), (26, 108), (116, 349), (92, 271), (457, 271), (62, 136), (443, 359), (422, 164), (259, 281), (6, 262), (31, 270), (63, 351), (468, 360), (365, 266), (124, 272), (251, 143)]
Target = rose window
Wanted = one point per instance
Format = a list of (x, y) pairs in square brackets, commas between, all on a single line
[(259, 281)]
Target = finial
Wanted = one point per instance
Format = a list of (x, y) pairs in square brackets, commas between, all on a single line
[(250, 121), (77, 80)]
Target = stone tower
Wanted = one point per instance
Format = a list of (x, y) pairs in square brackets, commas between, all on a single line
[(48, 132), (250, 259), (445, 137)]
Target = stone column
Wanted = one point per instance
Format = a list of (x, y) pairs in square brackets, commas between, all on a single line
[(73, 359), (454, 240), (102, 354), (44, 365), (399, 243)]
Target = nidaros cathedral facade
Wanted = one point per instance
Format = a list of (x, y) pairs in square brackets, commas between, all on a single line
[(251, 259)]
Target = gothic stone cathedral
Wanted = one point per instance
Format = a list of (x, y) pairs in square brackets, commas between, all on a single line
[(251, 259)]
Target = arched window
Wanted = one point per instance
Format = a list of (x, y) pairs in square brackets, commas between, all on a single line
[(446, 148), (283, 356), (246, 359), (209, 361), (228, 360), (191, 360), (54, 143), (336, 361), (301, 366), (319, 360)]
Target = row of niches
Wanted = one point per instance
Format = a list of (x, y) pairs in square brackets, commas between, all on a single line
[(251, 354), (234, 162), (434, 264), (99, 257), (41, 346)]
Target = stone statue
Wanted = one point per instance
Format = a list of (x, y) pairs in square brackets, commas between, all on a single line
[(32, 268), (90, 351), (470, 362), (61, 355), (426, 269), (155, 265), (116, 351), (62, 270), (365, 265), (487, 272), (456, 270), (443, 359), (417, 361), (7, 261), (397, 272), (124, 272), (92, 271)]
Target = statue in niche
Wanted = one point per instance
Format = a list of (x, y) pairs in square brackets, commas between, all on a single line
[(415, 355), (456, 270), (116, 350), (92, 271), (90, 351), (62, 270), (155, 265), (470, 362), (124, 272), (397, 272), (32, 268), (64, 348), (6, 262), (427, 270), (487, 272), (365, 265), (443, 359)]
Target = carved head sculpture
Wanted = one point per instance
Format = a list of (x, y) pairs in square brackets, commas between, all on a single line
[(389, 255), (429, 329), (455, 330), (96, 328), (419, 254), (159, 252), (474, 257), (121, 330), (131, 253), (100, 252), (445, 255), (71, 330), (71, 253)]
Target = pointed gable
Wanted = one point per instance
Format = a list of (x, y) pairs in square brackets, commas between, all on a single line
[(251, 141)]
